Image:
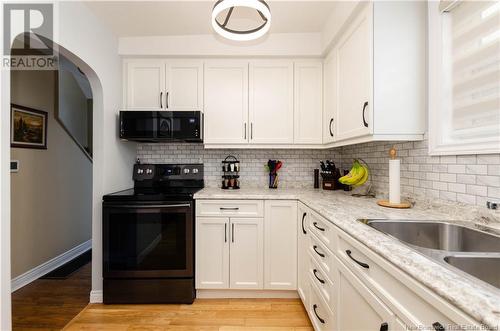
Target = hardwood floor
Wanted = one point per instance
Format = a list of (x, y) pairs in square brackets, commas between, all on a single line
[(49, 304), (203, 315)]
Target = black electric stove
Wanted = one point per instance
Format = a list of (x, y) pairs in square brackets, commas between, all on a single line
[(148, 236)]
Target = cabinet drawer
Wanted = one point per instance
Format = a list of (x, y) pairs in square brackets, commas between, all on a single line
[(324, 230), (319, 313), (322, 255), (322, 282), (353, 257), (387, 282), (230, 208)]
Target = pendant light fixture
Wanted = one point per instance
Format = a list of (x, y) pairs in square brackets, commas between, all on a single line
[(241, 35)]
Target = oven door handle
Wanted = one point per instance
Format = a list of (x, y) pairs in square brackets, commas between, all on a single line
[(150, 206)]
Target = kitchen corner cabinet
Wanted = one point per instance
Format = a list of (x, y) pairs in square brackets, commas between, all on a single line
[(155, 84), (271, 102), (280, 245), (375, 81), (350, 287)]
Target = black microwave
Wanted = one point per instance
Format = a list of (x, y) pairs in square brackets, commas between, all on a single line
[(161, 126)]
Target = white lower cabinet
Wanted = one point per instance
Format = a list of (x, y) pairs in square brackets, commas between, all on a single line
[(358, 309), (246, 253), (286, 246), (346, 286), (280, 245), (302, 256), (234, 251), (212, 252)]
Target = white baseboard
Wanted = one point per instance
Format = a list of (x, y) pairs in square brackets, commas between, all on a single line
[(246, 294), (96, 296), (44, 268)]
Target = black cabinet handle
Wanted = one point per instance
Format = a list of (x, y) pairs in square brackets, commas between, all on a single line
[(225, 232), (364, 120), (316, 313), (251, 131), (319, 279), (384, 327), (317, 227), (229, 208), (315, 249), (161, 99), (232, 232), (364, 265), (330, 127), (245, 133), (438, 326), (303, 228), (167, 99)]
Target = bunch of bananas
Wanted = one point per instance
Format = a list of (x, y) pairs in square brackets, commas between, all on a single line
[(357, 176)]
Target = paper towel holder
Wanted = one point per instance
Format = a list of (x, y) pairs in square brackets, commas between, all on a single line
[(386, 202)]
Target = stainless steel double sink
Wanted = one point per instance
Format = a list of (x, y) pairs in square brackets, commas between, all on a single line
[(475, 252)]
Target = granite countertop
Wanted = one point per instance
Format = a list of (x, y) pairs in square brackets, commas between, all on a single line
[(473, 297)]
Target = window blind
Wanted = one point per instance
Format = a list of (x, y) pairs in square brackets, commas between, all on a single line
[(473, 63)]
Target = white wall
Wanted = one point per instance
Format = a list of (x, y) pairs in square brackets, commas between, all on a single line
[(278, 44), (73, 107), (80, 33), (51, 194)]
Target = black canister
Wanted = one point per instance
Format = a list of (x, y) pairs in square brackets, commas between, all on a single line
[(316, 178)]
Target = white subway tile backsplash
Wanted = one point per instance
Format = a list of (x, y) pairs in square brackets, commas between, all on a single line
[(477, 190), (488, 159), (446, 177), (466, 179), (456, 168), (455, 187), (476, 169)]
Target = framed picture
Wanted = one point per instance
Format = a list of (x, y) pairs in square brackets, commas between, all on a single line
[(28, 127)]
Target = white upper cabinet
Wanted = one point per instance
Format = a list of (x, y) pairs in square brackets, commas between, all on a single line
[(308, 103), (153, 84), (374, 76), (354, 67), (184, 87), (329, 97), (226, 102), (271, 102), (280, 245), (145, 84)]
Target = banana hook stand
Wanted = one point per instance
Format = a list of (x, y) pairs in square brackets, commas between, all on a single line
[(368, 191)]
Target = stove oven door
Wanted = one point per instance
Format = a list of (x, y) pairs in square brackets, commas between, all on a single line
[(148, 240)]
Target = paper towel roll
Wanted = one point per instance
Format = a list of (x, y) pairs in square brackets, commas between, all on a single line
[(395, 181)]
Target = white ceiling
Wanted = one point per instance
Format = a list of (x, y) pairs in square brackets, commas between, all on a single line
[(168, 18)]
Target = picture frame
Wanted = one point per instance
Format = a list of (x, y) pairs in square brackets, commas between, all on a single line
[(28, 127)]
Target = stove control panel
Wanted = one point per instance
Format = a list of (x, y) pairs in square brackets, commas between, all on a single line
[(165, 172)]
